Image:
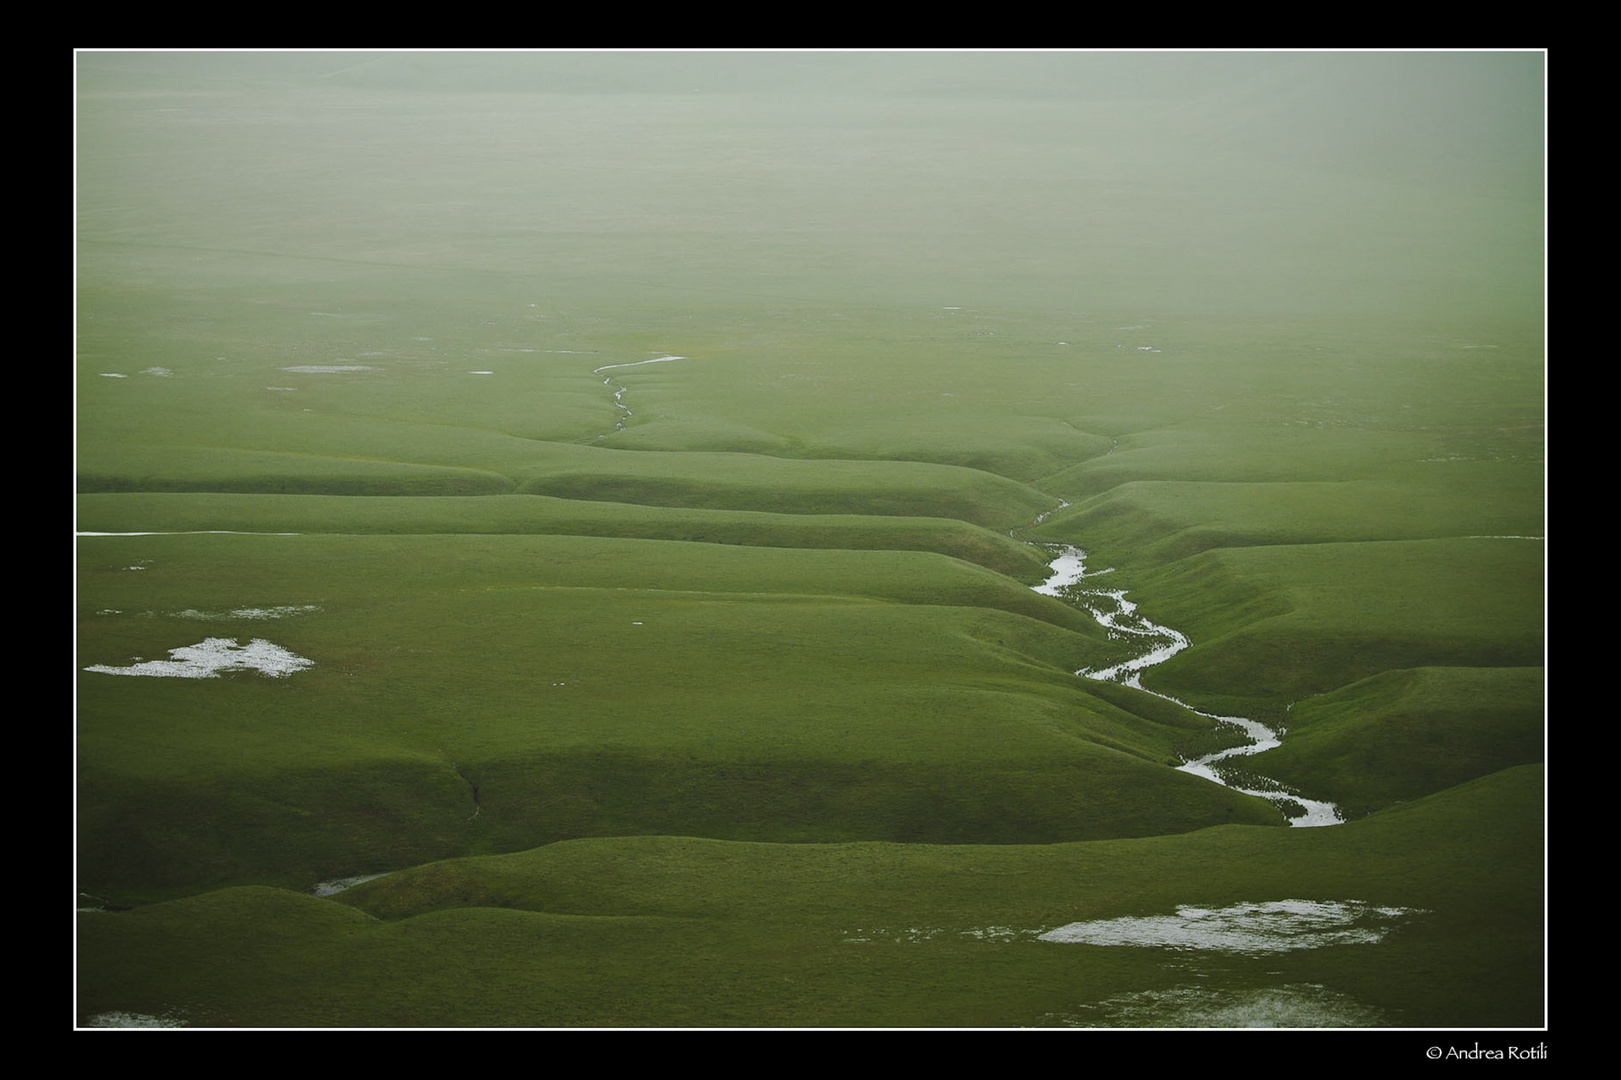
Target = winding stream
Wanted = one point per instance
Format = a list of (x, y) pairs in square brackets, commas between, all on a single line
[(619, 393), (1120, 618)]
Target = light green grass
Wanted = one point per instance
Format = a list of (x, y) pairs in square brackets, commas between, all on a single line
[(539, 514), (712, 686), (1330, 614), (755, 693)]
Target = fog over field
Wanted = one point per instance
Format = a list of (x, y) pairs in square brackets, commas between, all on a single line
[(811, 539)]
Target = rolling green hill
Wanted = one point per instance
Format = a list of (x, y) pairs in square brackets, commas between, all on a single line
[(714, 691)]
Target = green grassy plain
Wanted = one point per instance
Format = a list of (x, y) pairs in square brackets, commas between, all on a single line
[(730, 704)]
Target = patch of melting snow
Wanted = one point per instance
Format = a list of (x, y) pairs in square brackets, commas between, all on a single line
[(133, 1020), (338, 885), (1249, 929), (248, 613), (1246, 929), (327, 369), (638, 363), (209, 657), (997, 933), (160, 372), (481, 373), (112, 375), (910, 935), (1295, 1005)]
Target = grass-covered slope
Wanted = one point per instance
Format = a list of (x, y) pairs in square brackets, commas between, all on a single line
[(754, 693), (539, 514), (623, 931), (714, 690), (1411, 732)]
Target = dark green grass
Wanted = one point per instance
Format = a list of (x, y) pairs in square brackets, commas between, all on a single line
[(654, 930), (539, 514), (755, 694), (1403, 734), (1149, 523), (1288, 384)]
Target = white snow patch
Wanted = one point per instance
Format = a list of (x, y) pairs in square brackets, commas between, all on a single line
[(132, 1020), (248, 612), (481, 373), (638, 363), (1296, 1005), (1246, 928), (337, 885), (160, 372), (209, 657), (327, 369), (996, 933), (113, 375)]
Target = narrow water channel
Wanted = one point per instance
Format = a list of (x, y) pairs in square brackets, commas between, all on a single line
[(1120, 617)]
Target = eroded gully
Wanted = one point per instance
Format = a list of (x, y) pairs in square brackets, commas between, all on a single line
[(1120, 617)]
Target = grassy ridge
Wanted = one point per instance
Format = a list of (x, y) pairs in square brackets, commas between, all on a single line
[(747, 482), (614, 931), (713, 691), (1154, 522), (564, 701), (1407, 733), (193, 512), (1350, 611)]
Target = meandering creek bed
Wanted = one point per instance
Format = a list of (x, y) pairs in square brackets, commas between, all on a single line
[(1120, 617)]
